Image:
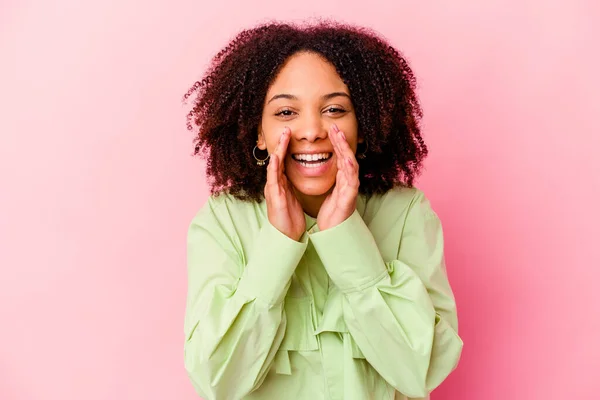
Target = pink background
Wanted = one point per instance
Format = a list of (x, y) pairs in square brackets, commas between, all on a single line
[(98, 186)]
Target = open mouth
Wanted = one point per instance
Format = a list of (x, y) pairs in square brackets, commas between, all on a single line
[(312, 160)]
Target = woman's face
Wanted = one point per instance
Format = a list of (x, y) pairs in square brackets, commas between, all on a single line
[(308, 96)]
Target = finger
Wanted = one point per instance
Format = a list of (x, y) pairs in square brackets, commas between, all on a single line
[(282, 146), (350, 158), (277, 189), (271, 196), (333, 138), (272, 170), (348, 174), (347, 158), (344, 154), (290, 190), (345, 146), (351, 172)]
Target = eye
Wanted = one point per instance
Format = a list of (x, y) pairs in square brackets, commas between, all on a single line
[(335, 110), (285, 113)]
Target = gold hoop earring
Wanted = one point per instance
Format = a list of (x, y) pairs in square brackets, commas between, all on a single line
[(363, 155), (259, 162)]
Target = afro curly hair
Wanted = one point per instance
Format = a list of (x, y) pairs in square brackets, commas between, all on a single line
[(228, 103)]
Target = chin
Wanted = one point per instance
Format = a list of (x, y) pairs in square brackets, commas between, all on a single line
[(313, 187)]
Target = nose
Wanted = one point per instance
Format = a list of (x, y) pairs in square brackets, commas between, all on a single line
[(311, 128)]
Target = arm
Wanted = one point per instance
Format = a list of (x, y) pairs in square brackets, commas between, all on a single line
[(402, 313), (234, 320)]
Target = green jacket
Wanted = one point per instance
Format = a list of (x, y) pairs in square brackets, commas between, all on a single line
[(363, 310)]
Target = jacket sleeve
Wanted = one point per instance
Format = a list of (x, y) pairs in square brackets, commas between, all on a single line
[(401, 313), (234, 320)]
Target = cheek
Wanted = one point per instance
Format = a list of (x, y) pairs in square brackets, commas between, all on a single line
[(350, 129), (272, 144), (270, 140), (352, 140), (272, 133)]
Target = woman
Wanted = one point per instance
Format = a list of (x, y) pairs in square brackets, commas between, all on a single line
[(316, 270)]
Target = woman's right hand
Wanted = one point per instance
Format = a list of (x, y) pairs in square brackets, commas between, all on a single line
[(283, 208)]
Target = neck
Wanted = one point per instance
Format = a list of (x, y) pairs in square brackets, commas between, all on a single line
[(311, 204)]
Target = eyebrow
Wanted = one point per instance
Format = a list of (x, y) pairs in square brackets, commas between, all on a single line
[(292, 97)]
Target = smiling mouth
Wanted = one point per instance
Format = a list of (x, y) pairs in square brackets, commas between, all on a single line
[(312, 160)]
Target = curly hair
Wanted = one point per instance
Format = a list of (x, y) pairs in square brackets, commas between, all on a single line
[(228, 103)]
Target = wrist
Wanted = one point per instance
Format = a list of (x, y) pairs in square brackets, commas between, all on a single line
[(333, 221)]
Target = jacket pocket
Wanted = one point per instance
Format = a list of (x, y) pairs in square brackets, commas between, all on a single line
[(356, 352), (333, 321), (299, 332)]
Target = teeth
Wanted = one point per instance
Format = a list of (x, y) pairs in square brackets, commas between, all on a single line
[(311, 157), (312, 165)]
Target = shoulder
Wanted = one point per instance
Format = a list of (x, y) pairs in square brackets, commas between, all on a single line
[(398, 202), (227, 220), (224, 209)]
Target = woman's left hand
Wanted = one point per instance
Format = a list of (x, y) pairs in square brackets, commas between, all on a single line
[(341, 203)]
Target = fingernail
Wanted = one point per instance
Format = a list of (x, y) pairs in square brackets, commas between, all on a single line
[(335, 128)]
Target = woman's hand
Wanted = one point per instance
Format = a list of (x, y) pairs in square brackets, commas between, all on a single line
[(341, 203), (283, 208)]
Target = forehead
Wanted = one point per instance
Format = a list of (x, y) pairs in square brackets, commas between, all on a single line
[(306, 74)]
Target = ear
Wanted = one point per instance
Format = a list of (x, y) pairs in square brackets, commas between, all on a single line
[(261, 143), (361, 139)]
